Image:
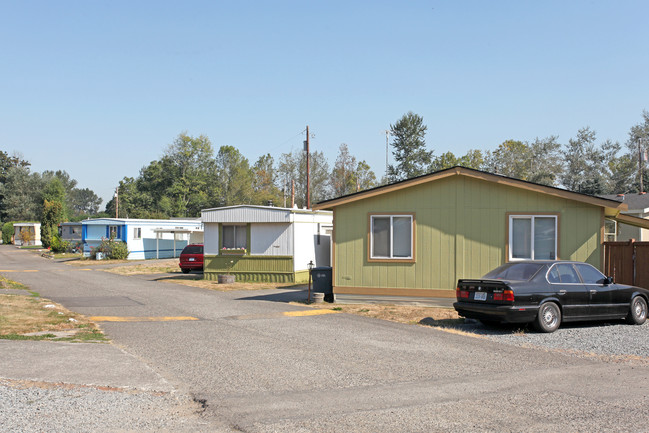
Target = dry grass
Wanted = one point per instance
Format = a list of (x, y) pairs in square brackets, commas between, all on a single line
[(21, 315), (196, 280), (24, 317), (145, 268), (84, 261), (412, 315), (9, 284), (132, 267)]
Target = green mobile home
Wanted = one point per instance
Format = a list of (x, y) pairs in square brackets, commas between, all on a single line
[(417, 237)]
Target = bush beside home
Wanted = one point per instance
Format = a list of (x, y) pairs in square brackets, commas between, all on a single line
[(7, 232), (111, 249)]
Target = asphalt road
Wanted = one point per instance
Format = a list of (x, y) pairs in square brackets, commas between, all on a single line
[(256, 369)]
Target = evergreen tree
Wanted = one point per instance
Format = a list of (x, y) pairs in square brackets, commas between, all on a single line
[(21, 194), (587, 164), (412, 158), (638, 147)]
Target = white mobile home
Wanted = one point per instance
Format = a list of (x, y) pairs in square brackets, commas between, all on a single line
[(146, 239), (265, 243)]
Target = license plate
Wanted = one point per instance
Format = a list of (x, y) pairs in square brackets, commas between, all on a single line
[(480, 296), (191, 259)]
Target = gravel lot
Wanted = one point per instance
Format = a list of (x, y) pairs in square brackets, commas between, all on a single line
[(614, 339), (27, 406)]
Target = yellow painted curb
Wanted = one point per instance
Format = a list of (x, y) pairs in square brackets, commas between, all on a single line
[(308, 313), (14, 270), (139, 319)]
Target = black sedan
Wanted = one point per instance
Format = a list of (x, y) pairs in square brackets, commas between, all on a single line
[(547, 293)]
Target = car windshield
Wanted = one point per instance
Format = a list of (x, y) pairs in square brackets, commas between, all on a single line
[(193, 249), (515, 271)]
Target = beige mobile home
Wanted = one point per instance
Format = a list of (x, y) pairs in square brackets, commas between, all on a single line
[(27, 234)]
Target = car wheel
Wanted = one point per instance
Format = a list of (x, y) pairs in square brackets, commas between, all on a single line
[(185, 271), (638, 312), (549, 317)]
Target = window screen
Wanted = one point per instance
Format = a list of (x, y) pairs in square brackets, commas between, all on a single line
[(235, 236)]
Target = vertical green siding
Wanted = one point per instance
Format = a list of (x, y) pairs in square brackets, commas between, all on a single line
[(460, 232)]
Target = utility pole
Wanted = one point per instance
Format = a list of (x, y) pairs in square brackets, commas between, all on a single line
[(308, 170), (117, 202)]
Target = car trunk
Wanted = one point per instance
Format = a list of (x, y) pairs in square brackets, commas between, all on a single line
[(485, 292)]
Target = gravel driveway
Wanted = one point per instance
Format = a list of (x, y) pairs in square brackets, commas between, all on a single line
[(613, 339)]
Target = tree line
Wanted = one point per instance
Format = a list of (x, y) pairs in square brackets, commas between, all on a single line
[(191, 175), (583, 164), (50, 197), (23, 193)]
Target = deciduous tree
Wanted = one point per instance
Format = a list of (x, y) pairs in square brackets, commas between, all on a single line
[(235, 176), (188, 161), (264, 187), (292, 166)]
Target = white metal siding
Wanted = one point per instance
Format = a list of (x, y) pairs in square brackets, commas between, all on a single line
[(211, 239), (246, 215), (307, 247), (274, 239), (262, 214)]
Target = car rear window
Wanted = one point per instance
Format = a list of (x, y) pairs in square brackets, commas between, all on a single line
[(515, 271), (193, 249)]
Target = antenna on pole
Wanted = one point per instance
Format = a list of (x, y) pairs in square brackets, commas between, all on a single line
[(308, 174), (641, 155), (387, 145)]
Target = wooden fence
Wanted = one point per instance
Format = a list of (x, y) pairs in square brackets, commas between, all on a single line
[(627, 262)]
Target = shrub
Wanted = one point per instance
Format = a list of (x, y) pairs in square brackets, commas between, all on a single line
[(26, 235), (111, 249), (58, 245), (7, 232), (120, 251)]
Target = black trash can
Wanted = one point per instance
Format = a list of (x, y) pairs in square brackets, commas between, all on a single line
[(322, 282)]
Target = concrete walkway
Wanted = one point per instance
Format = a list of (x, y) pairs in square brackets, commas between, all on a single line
[(91, 364)]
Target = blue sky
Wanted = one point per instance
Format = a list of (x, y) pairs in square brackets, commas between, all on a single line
[(100, 88)]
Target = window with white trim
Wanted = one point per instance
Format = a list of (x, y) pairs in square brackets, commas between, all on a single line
[(391, 237), (532, 237), (235, 236), (137, 232), (610, 230)]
